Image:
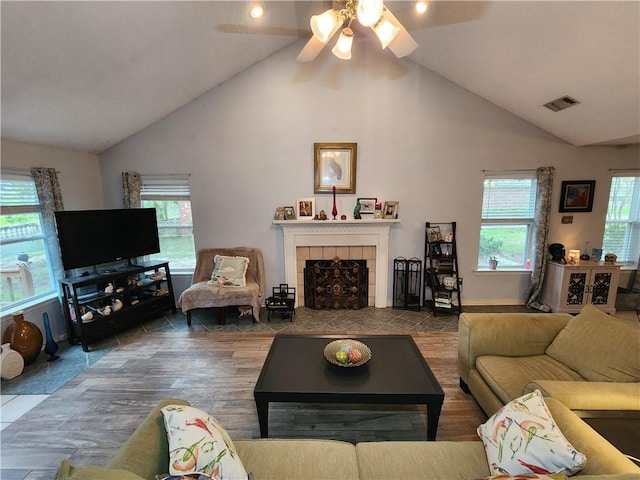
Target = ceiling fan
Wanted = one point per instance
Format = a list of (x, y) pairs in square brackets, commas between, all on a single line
[(294, 14), (368, 13)]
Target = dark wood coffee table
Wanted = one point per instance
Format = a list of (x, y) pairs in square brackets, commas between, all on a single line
[(295, 370)]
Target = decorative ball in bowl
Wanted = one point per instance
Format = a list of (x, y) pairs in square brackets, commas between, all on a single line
[(347, 353)]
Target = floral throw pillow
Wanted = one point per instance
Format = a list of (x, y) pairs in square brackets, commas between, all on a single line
[(522, 437), (199, 444), (229, 271), (527, 476)]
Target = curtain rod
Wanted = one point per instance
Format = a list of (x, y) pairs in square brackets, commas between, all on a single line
[(518, 170), (20, 169), (620, 170), (164, 174)]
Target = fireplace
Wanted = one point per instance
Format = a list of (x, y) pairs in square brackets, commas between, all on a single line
[(336, 284), (369, 237)]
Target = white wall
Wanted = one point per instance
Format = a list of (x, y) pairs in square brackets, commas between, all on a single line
[(81, 185), (422, 140)]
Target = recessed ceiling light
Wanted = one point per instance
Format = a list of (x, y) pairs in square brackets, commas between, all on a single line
[(422, 7), (256, 11)]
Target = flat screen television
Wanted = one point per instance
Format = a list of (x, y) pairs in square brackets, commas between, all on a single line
[(94, 237)]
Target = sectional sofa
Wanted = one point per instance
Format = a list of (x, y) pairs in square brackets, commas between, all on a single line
[(501, 357), (590, 362), (146, 454)]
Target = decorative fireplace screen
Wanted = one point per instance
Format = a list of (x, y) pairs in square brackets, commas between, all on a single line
[(336, 284)]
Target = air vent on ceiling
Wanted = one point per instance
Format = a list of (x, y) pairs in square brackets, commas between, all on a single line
[(561, 103)]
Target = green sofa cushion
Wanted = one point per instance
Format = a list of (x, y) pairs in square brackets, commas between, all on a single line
[(590, 395), (602, 457), (295, 459), (421, 460), (599, 347), (146, 452), (508, 376), (69, 472)]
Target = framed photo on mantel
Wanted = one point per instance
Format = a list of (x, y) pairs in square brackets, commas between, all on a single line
[(335, 166)]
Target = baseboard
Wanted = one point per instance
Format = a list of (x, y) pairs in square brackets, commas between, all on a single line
[(493, 302)]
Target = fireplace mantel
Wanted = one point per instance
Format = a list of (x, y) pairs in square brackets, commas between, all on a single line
[(315, 233)]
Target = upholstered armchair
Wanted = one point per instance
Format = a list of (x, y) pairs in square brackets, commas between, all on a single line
[(204, 294)]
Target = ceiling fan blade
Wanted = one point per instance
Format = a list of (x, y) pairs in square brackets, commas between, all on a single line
[(260, 30), (315, 46), (403, 44), (311, 50), (440, 13)]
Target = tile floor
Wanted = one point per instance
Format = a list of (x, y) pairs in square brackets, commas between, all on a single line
[(13, 406)]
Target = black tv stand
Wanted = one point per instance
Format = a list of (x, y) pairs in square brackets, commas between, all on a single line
[(143, 290)]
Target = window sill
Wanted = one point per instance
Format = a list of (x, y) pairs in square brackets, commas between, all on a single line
[(501, 271), (628, 265), (29, 304), (183, 273)]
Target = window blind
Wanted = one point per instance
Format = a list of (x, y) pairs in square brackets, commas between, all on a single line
[(18, 194), (509, 198), (622, 229), (174, 187)]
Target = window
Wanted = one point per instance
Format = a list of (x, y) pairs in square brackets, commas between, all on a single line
[(507, 224), (622, 226), (25, 272), (170, 196)]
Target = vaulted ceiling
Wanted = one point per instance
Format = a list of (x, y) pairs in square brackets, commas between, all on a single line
[(86, 75)]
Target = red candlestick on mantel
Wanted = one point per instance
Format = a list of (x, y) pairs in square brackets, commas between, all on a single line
[(334, 212)]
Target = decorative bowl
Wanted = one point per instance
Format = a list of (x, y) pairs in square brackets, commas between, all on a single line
[(346, 346)]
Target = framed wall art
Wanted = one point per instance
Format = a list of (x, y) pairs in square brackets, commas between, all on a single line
[(577, 195), (367, 205), (306, 208), (289, 213), (390, 210), (335, 166)]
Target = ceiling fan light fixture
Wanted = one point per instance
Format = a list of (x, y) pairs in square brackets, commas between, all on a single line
[(342, 48), (385, 30), (369, 12), (325, 25)]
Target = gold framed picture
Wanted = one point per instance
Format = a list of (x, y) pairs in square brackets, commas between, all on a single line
[(335, 166), (390, 210)]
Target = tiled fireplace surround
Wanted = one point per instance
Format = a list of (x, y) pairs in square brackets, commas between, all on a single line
[(347, 239)]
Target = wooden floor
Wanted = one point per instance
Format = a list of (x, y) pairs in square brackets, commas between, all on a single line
[(87, 419)]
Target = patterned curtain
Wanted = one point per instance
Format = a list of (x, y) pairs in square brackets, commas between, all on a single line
[(544, 176), (131, 183), (50, 198)]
